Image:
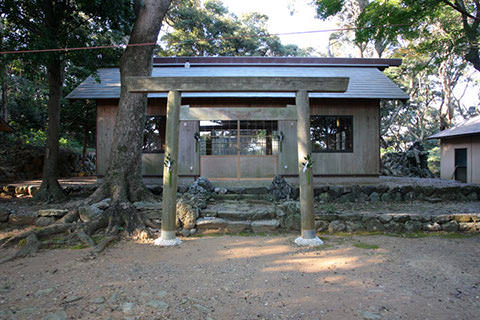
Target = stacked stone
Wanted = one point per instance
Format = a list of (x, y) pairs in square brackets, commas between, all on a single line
[(397, 223)]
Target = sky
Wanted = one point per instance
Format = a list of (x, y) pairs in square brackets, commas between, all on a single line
[(282, 21)]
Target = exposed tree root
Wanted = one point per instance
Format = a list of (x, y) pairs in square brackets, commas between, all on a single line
[(30, 248)]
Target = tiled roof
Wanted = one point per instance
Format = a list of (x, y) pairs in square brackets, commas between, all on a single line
[(468, 127)]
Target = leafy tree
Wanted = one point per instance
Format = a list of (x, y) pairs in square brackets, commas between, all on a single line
[(123, 182), (211, 30), (47, 24)]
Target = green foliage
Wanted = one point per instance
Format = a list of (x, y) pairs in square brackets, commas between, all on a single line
[(434, 160), (211, 30), (327, 8), (363, 245)]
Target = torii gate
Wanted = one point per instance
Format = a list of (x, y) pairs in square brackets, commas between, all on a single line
[(175, 85)]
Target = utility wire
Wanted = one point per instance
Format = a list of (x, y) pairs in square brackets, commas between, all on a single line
[(195, 40)]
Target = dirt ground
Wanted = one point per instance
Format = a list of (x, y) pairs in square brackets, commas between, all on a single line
[(250, 277)]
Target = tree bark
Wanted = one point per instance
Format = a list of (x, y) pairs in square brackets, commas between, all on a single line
[(123, 180), (50, 189)]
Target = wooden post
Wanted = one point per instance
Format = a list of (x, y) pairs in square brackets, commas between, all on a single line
[(308, 236), (169, 202)]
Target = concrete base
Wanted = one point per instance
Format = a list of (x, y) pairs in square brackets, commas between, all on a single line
[(314, 242), (167, 243)]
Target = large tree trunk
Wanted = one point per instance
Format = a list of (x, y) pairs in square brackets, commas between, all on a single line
[(50, 189), (123, 180)]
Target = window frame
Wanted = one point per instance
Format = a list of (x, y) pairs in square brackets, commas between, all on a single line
[(162, 149), (336, 117)]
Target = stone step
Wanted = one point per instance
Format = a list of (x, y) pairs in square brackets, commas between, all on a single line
[(241, 196), (220, 225), (240, 211)]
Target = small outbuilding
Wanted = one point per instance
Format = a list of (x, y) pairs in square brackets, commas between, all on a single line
[(253, 135), (460, 151)]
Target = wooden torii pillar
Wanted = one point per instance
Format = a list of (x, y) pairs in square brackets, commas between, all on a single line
[(175, 85)]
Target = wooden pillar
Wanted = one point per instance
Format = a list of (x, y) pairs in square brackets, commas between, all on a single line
[(304, 149), (169, 202)]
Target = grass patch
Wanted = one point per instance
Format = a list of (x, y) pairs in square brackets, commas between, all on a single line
[(457, 235), (79, 246), (363, 245)]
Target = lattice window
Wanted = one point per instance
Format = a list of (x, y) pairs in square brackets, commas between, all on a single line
[(331, 133)]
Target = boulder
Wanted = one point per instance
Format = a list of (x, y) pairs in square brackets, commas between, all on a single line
[(281, 189), (336, 226), (237, 226), (411, 163), (373, 224), (451, 226), (432, 226), (103, 205), (393, 226), (22, 218), (4, 213), (44, 221), (265, 225), (321, 225), (413, 226), (352, 226), (201, 185), (467, 226), (89, 213), (186, 214), (292, 222), (57, 213)]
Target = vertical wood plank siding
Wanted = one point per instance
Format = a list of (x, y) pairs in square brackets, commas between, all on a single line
[(363, 161), (447, 160)]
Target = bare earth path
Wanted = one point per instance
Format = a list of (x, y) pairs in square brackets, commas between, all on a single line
[(235, 277)]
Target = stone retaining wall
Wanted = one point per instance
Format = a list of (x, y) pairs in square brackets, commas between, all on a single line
[(397, 222)]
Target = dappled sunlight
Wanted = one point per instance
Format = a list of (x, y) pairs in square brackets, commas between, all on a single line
[(315, 264)]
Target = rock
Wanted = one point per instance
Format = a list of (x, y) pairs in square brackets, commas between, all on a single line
[(128, 307), (57, 213), (201, 185), (4, 213), (473, 196), (73, 299), (237, 226), (59, 315), (281, 189), (157, 304), (161, 293), (321, 225), (290, 207), (43, 292), (386, 197), (467, 226), (393, 226), (336, 226), (374, 197), (432, 227), (367, 315), (400, 217), (221, 190), (451, 226), (353, 226), (462, 217), (103, 205), (411, 163), (409, 196), (44, 221), (433, 199), (413, 226), (324, 197), (152, 210), (265, 225), (89, 213), (292, 222), (186, 214), (99, 300), (373, 224), (22, 218), (201, 308), (444, 218), (385, 218), (209, 223)]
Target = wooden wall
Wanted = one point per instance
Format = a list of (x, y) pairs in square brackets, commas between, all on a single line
[(365, 158), (447, 160), (363, 161)]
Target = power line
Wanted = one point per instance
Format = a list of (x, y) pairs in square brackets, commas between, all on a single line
[(195, 40)]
